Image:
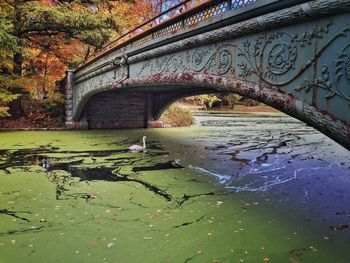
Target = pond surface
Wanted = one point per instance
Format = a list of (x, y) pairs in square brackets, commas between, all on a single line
[(233, 188)]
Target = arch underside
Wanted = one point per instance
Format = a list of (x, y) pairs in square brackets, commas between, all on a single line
[(150, 95)]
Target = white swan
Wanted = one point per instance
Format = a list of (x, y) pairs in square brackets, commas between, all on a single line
[(138, 148)]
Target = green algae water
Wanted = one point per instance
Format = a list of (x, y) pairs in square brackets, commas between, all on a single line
[(233, 188)]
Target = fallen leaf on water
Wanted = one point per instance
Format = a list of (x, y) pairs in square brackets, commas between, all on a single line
[(110, 245), (147, 238), (13, 241), (313, 249), (218, 203), (266, 259), (108, 211)]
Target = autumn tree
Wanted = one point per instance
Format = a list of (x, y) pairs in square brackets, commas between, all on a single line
[(39, 39), (8, 46), (147, 9)]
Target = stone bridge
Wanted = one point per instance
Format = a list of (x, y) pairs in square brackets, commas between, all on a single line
[(290, 54)]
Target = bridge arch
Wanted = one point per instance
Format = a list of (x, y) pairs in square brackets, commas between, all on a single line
[(291, 55)]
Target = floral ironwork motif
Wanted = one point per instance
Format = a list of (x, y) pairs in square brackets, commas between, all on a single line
[(342, 66), (215, 61), (223, 60), (273, 60), (282, 57), (342, 72), (322, 82), (200, 58), (268, 57), (120, 68), (197, 58)]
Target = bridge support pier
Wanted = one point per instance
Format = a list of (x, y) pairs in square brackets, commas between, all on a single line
[(70, 123), (69, 99), (118, 109), (152, 121)]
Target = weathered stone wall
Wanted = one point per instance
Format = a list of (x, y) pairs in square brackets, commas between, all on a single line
[(117, 110)]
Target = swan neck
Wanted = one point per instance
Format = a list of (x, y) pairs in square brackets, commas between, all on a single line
[(144, 143)]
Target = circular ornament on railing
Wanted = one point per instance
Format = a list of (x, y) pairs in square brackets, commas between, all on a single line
[(197, 58), (223, 60), (281, 57), (279, 54), (200, 59)]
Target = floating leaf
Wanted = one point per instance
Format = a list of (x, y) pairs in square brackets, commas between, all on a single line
[(313, 249)]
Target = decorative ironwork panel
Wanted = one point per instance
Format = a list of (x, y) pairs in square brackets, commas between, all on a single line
[(310, 61)]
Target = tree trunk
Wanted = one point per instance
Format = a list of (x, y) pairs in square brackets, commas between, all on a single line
[(17, 65)]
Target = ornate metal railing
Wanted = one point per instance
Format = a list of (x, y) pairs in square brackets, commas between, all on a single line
[(179, 17)]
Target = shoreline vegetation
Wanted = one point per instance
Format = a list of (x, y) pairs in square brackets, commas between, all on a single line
[(179, 114), (39, 116)]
